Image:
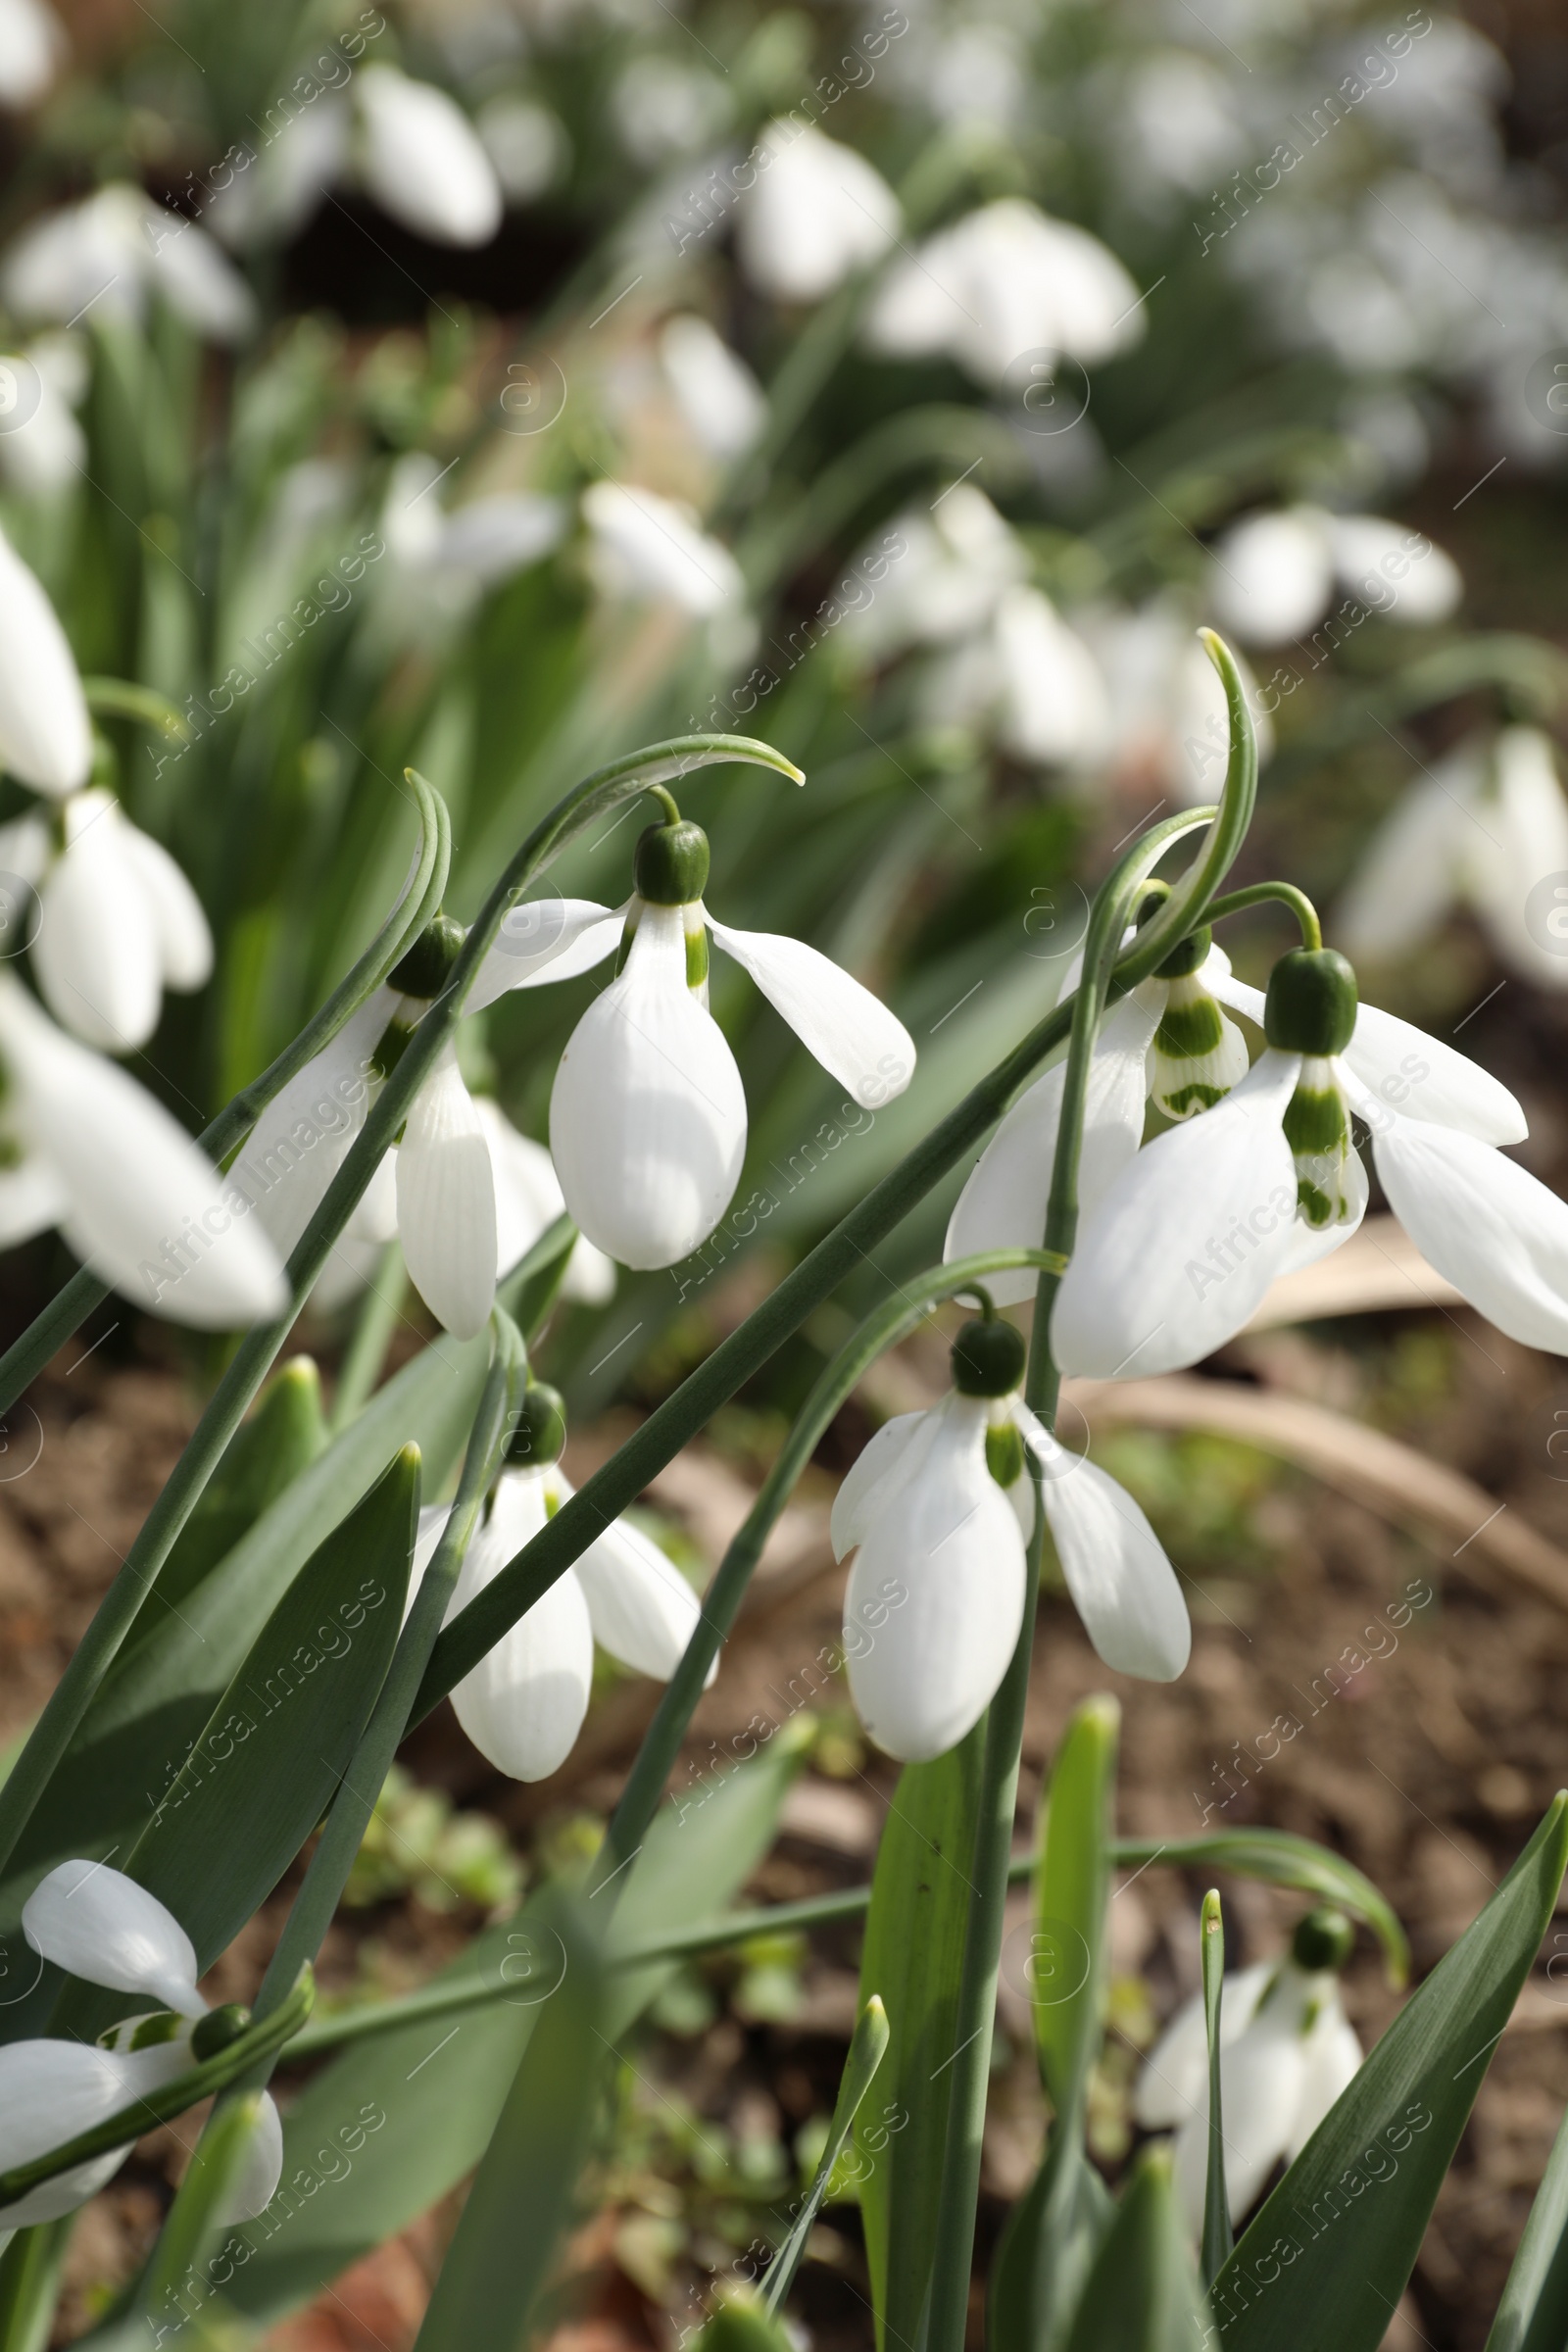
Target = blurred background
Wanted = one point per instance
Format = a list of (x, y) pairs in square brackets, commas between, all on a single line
[(491, 388)]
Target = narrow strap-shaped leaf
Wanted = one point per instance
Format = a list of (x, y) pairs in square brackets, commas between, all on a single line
[(1283, 1860), (29, 2283), (1326, 2259), (1217, 2237), (521, 2196), (1533, 2315), (1143, 2293), (869, 2045)]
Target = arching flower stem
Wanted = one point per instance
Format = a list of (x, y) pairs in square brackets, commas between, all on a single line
[(1258, 894)]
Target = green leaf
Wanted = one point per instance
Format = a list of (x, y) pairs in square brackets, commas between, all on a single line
[(1054, 2232), (396, 2122), (913, 1957), (1217, 2237), (29, 2283), (869, 2045), (1532, 2315), (265, 1457), (262, 1771), (1325, 2261), (1143, 2293), (1283, 1860)]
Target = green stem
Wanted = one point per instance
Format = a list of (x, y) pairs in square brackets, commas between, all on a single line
[(624, 780), (372, 1336), (1258, 894), (947, 2310), (661, 1742), (49, 1331), (1217, 2239)]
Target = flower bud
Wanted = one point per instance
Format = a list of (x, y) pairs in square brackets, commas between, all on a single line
[(986, 1357), (671, 864), (539, 1434), (1311, 1002), (1324, 1938), (427, 966), (216, 2029)]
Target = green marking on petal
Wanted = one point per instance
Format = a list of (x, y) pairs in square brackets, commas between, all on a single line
[(1005, 1453), (697, 956), (1314, 1205), (1191, 1024), (1188, 1099)]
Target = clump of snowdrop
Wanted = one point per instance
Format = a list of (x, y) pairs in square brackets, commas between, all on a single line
[(112, 254), (1176, 1253), (97, 1924), (407, 143), (1004, 284), (83, 1148), (117, 920), (647, 1115), (1288, 2051), (1488, 828), (1275, 576), (45, 734), (524, 1703), (938, 1510), (815, 213)]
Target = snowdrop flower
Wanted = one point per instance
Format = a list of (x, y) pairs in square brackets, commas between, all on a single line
[(422, 161), (1274, 577), (1170, 727), (44, 385), (110, 253), (32, 47), (663, 107), (45, 737), (648, 1116), (523, 1704), (1287, 2051), (118, 921), (526, 144), (443, 1190), (642, 545), (1004, 281), (1189, 1235), (83, 1147), (1487, 827), (528, 1201), (815, 213), (938, 1510), (442, 563), (1167, 1042), (937, 575), (721, 401), (1030, 679), (98, 1925)]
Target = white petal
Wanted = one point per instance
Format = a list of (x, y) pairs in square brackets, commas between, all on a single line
[(45, 737), (641, 1607), (1484, 1222), (1003, 1207), (860, 1489), (1332, 2059), (26, 848), (815, 212), (1311, 1243), (1053, 705), (32, 1198), (32, 47), (1416, 1075), (940, 1575), (423, 162), (52, 2091), (1260, 2081), (642, 545), (648, 1117), (1414, 584), (544, 940), (307, 1131), (262, 2167), (1409, 872), (1122, 1586), (95, 1923), (1521, 841), (1186, 1242), (851, 1033), (447, 1203), (1176, 2069), (184, 942), (490, 538), (148, 1210), (196, 278), (523, 1704), (720, 399), (1273, 576), (97, 956), (528, 1197)]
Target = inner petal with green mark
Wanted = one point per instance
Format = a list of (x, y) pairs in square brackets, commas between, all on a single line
[(1198, 1056), (1317, 1128)]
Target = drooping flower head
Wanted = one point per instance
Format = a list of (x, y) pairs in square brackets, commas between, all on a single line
[(938, 1510)]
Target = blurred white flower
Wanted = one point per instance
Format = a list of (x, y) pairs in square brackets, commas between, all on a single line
[(1170, 729), (528, 1201), (1487, 827), (1004, 281), (1274, 577), (276, 193), (950, 564), (422, 160), (42, 386), (664, 108), (641, 544), (938, 1509), (1177, 125), (815, 212), (83, 1147), (1287, 2051), (720, 399), (33, 47), (118, 921), (441, 561), (98, 1925), (526, 144), (110, 253), (45, 737), (1030, 679)]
